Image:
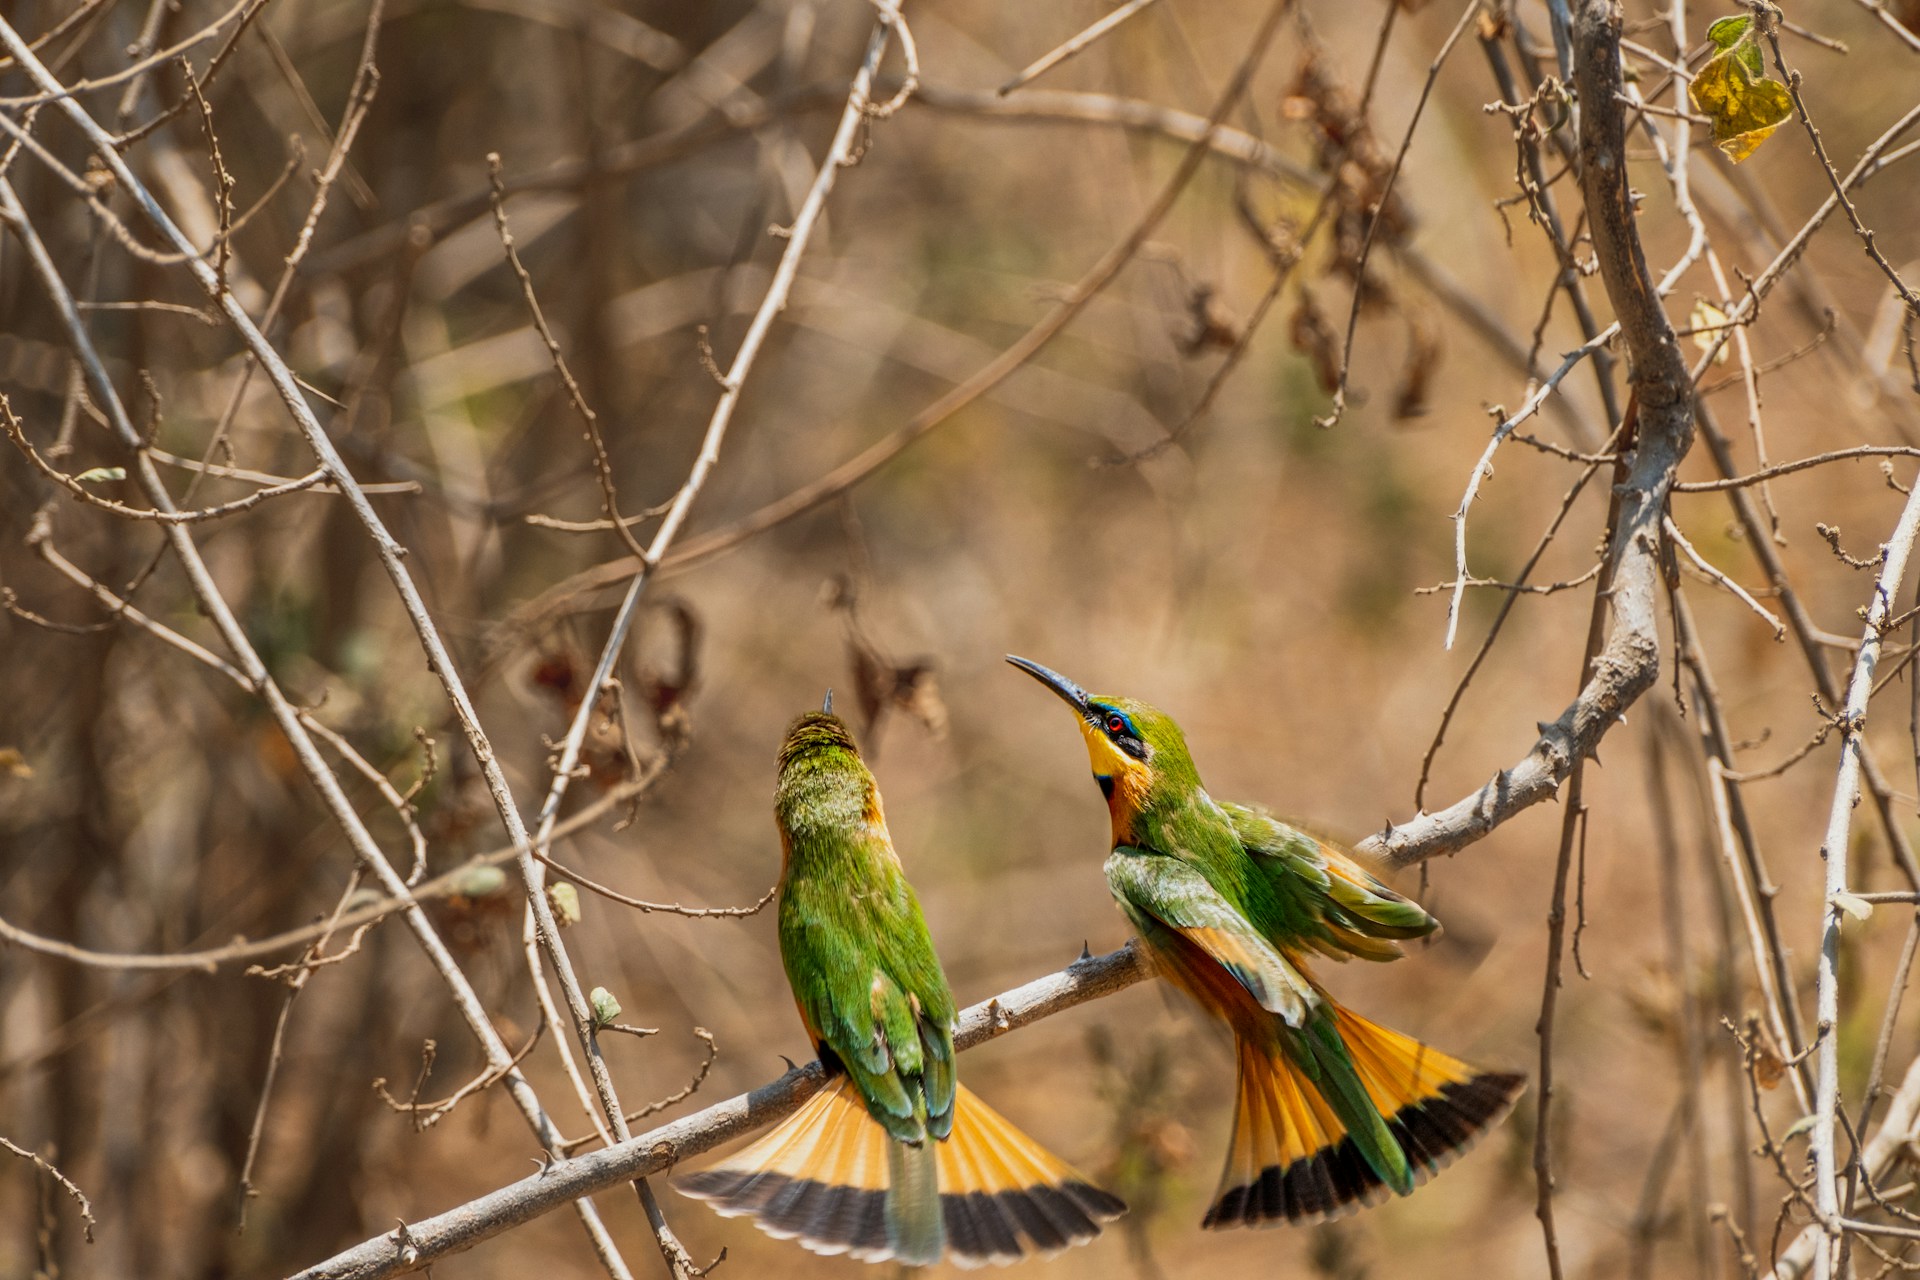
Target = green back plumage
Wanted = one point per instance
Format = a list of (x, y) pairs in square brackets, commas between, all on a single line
[(1297, 887), (892, 1160), (852, 938)]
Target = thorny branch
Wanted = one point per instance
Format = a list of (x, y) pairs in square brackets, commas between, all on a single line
[(1663, 430)]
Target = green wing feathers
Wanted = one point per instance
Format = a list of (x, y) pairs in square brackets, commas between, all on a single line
[(872, 994), (892, 1160), (1176, 894), (1344, 909), (1334, 1112)]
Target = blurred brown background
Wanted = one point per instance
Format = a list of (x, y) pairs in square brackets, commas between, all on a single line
[(1258, 582)]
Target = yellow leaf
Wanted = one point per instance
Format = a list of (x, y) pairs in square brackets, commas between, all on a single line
[(563, 900), (1745, 111), (13, 763), (1708, 323), (1854, 905)]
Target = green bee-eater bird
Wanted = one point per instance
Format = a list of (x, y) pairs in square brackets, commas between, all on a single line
[(893, 1158), (1333, 1110)]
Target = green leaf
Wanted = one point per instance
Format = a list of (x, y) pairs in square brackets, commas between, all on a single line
[(1745, 106), (605, 1007), (97, 475), (480, 882), (1728, 32), (1798, 1127)]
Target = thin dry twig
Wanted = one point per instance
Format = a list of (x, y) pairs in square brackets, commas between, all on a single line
[(425, 1115), (10, 423), (62, 93), (210, 959), (1285, 260), (1484, 467), (296, 983), (840, 154), (668, 908), (602, 464), (1720, 579), (1802, 464), (1572, 829), (1662, 432), (942, 410), (1768, 17), (207, 592), (1380, 210), (1072, 45), (678, 1096), (46, 1167), (1493, 634), (1881, 1153)]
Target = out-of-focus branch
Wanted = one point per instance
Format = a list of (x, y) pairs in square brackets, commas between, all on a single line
[(989, 376), (1630, 660), (46, 1166), (134, 70), (420, 1244), (1073, 45), (642, 154), (389, 552), (285, 715)]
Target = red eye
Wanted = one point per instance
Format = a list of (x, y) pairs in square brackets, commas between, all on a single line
[(1116, 725)]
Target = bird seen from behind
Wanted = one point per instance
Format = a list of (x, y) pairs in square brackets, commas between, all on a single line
[(893, 1159)]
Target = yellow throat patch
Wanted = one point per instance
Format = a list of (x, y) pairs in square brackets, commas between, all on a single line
[(1131, 779)]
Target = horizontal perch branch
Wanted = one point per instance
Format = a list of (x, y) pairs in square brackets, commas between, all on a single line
[(420, 1244)]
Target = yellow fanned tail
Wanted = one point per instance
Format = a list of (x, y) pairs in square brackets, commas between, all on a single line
[(830, 1177), (819, 1178), (1437, 1106), (1292, 1160), (1004, 1196)]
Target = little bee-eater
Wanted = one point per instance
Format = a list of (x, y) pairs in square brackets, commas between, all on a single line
[(1333, 1110), (893, 1158)]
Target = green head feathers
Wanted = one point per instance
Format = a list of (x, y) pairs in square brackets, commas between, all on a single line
[(1138, 754), (818, 737), (825, 797)]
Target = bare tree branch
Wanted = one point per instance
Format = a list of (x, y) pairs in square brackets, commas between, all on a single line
[(1834, 851), (1629, 663)]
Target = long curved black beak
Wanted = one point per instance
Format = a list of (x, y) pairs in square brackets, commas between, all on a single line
[(1070, 693)]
